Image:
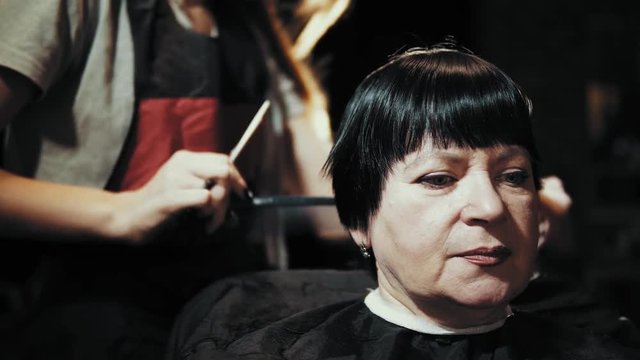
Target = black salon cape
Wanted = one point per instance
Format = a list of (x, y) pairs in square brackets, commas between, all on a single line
[(232, 325), (349, 330)]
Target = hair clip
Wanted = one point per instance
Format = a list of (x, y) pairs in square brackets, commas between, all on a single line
[(451, 43)]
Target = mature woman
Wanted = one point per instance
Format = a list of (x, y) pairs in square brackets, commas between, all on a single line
[(435, 176)]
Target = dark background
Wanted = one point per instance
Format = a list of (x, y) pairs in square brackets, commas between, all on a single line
[(579, 62)]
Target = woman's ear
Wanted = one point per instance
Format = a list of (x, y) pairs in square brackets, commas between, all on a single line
[(544, 224)]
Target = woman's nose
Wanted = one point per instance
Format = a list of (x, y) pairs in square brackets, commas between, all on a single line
[(482, 202)]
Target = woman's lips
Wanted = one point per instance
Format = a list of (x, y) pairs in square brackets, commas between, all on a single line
[(486, 256)]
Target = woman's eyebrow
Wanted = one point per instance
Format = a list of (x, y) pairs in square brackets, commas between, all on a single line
[(443, 155), (511, 152)]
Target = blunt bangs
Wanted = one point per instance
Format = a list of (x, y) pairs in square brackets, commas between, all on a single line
[(449, 97)]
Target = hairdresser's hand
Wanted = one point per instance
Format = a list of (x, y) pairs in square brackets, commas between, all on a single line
[(554, 197), (555, 203), (178, 185)]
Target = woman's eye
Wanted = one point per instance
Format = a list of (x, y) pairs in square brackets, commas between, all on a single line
[(515, 177), (437, 181)]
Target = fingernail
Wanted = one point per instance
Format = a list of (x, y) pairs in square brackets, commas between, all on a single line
[(248, 193)]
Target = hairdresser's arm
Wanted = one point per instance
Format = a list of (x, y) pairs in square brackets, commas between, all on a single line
[(33, 208), (311, 143), (47, 210)]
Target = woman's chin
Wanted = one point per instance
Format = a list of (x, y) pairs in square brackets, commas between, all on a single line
[(491, 290), (486, 297)]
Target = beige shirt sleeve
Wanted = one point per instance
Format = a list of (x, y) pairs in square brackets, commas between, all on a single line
[(80, 53), (39, 39)]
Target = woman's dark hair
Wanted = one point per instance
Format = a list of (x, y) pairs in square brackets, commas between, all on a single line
[(445, 94)]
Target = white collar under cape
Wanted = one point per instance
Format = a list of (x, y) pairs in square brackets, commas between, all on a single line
[(396, 313)]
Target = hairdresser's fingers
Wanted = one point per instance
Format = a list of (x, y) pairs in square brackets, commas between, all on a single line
[(180, 184), (219, 206), (218, 168), (188, 169), (235, 181), (553, 196), (179, 172)]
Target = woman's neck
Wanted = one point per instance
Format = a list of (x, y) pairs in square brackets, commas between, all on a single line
[(396, 313), (442, 312)]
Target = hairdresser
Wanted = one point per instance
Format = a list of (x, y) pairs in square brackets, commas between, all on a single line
[(118, 118)]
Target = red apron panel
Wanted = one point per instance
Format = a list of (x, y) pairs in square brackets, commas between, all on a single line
[(166, 125)]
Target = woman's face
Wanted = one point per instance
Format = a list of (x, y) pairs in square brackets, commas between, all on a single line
[(456, 230)]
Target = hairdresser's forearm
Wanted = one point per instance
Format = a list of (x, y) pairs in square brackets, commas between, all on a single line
[(53, 211), (310, 152)]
